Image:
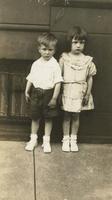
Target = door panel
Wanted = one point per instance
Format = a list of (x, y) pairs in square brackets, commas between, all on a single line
[(18, 45), (23, 12), (94, 20), (12, 87), (3, 94)]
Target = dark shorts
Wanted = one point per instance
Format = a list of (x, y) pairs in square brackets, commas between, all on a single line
[(40, 99)]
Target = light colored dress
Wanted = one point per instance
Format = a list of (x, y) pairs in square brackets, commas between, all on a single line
[(75, 74)]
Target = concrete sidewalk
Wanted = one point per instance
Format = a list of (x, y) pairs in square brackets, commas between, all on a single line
[(86, 175)]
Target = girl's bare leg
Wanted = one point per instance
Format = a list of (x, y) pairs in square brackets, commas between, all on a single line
[(75, 124), (46, 137), (66, 124), (74, 132), (66, 131)]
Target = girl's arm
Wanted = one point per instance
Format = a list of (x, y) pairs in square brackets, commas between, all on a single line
[(89, 85), (27, 90), (88, 91), (61, 65), (53, 101)]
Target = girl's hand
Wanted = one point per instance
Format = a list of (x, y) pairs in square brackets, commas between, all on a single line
[(27, 97), (85, 100), (52, 103)]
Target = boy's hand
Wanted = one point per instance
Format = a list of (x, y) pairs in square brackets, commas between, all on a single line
[(52, 103), (85, 100), (27, 97)]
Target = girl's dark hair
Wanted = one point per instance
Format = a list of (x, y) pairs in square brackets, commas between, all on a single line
[(77, 33)]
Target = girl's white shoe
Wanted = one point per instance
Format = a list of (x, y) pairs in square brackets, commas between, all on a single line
[(66, 144), (73, 143), (32, 143)]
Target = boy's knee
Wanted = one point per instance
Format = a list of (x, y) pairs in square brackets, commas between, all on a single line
[(67, 116), (75, 116)]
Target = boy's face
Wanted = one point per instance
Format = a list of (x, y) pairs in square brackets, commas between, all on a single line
[(47, 52), (77, 46)]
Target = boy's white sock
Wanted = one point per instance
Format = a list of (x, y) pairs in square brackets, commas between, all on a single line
[(33, 136), (32, 143)]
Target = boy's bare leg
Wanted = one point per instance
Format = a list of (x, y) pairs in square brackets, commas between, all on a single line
[(46, 137), (66, 131), (34, 126), (48, 127), (33, 137)]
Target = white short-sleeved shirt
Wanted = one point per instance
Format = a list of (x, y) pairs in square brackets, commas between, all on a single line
[(45, 74)]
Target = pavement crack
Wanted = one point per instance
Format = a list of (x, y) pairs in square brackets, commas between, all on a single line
[(34, 176)]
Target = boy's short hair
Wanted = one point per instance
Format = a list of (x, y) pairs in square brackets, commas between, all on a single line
[(47, 39), (77, 33)]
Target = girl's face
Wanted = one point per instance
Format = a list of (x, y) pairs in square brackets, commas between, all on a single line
[(46, 52), (77, 46)]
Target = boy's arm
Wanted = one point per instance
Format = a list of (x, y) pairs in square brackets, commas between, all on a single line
[(27, 90), (53, 101), (89, 87)]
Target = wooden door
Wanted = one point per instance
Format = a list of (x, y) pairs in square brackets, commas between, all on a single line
[(95, 17), (20, 23)]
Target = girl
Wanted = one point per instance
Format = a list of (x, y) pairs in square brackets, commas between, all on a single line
[(78, 70)]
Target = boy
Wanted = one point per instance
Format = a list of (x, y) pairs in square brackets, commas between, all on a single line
[(45, 78)]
